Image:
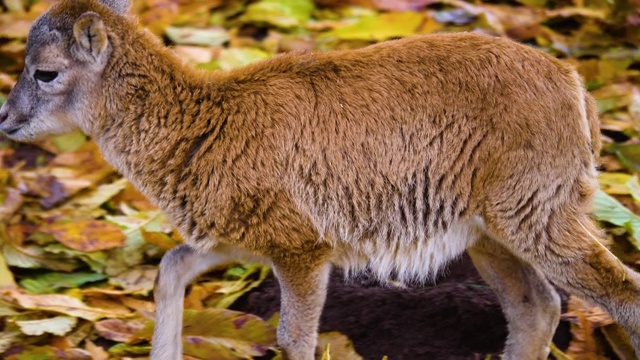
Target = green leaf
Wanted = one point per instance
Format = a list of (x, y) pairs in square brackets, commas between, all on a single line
[(608, 209), (132, 254), (281, 13), (30, 257), (243, 285), (236, 272), (124, 349), (47, 353), (50, 282), (95, 259), (236, 57), (628, 154), (634, 188), (69, 142)]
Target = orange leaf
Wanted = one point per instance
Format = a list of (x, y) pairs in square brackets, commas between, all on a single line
[(87, 235)]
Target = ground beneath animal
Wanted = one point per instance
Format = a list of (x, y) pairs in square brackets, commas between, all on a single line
[(456, 317)]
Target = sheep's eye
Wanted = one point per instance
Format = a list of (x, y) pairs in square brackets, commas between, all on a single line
[(45, 76)]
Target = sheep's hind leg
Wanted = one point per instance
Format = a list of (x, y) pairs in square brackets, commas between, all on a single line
[(530, 304)]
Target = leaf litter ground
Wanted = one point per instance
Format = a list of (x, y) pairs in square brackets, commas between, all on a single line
[(79, 247)]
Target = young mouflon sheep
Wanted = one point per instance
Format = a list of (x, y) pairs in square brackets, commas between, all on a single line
[(395, 158)]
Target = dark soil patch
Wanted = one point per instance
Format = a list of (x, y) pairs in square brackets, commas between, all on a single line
[(458, 317)]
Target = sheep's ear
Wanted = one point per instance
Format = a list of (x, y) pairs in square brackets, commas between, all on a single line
[(91, 37), (119, 6)]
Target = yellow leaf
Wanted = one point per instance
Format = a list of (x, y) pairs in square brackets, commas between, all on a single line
[(614, 183), (161, 240), (6, 276), (380, 27), (341, 346), (62, 304), (87, 235), (326, 355)]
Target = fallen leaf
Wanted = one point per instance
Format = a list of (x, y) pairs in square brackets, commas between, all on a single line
[(614, 183), (6, 276), (628, 154), (379, 27), (90, 200), (121, 350), (29, 257), (86, 235), (8, 339), (607, 208), (48, 352), (138, 280), (59, 325), (341, 347), (96, 352), (61, 304), (280, 13), (194, 36), (52, 281), (161, 240), (119, 330), (236, 57), (402, 5), (614, 96), (231, 291), (11, 202)]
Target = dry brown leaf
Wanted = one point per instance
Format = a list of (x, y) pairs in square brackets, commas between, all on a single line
[(13, 200), (113, 306), (119, 330), (137, 280), (141, 306), (96, 352)]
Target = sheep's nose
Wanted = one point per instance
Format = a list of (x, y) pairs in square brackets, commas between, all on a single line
[(3, 115)]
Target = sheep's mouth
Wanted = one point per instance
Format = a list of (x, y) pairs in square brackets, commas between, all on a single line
[(11, 130)]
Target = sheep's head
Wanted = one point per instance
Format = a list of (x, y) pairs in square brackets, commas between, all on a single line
[(59, 90)]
